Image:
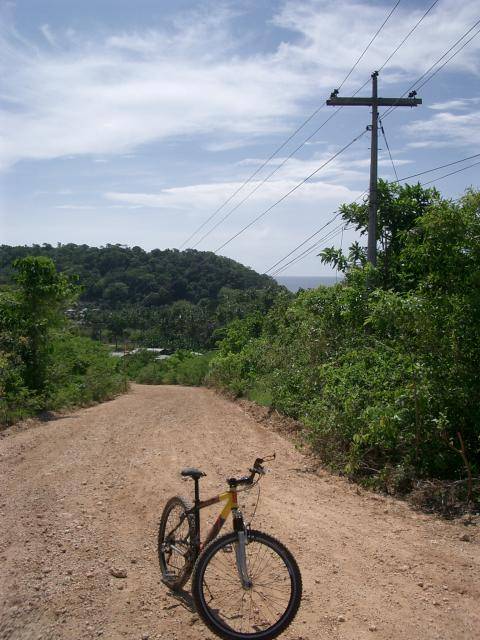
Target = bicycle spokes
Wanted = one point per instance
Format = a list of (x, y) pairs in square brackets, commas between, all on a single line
[(247, 604), (176, 546)]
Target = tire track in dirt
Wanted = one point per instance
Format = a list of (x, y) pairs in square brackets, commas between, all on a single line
[(82, 494)]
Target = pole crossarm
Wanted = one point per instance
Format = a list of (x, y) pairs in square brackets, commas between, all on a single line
[(368, 102), (373, 101)]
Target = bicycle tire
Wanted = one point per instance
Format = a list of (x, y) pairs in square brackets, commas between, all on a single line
[(212, 617), (176, 576)]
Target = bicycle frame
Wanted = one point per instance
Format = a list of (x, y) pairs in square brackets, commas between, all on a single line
[(231, 504)]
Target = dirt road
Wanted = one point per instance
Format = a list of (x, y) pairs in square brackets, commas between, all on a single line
[(82, 495)]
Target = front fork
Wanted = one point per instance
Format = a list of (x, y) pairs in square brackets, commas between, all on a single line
[(240, 549)]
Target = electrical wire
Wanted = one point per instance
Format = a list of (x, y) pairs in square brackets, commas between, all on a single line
[(417, 24), (474, 164), (312, 249), (451, 58), (423, 184), (370, 44), (283, 145), (331, 234), (230, 198), (315, 132), (315, 233), (260, 184), (286, 195), (388, 149), (335, 216), (388, 111), (427, 79), (442, 166)]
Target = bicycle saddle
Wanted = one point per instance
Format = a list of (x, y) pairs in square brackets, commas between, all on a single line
[(191, 472)]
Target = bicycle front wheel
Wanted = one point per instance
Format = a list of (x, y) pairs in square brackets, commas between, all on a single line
[(259, 611)]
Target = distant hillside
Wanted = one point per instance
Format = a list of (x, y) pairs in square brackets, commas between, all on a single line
[(294, 283), (117, 275)]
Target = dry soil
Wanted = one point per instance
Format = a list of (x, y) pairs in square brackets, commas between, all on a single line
[(81, 496)]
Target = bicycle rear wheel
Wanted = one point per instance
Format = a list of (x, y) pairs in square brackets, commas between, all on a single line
[(259, 612), (176, 535)]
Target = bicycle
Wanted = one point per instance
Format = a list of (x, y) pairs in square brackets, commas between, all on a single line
[(245, 584)]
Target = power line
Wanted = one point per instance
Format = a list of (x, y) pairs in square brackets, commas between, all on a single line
[(310, 249), (260, 184), (442, 166), (451, 58), (388, 149), (306, 252), (230, 198), (304, 242), (369, 44), (283, 145), (316, 131), (335, 216), (388, 111), (417, 24), (264, 213), (474, 164)]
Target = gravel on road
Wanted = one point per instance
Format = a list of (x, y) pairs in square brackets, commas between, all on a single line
[(81, 496)]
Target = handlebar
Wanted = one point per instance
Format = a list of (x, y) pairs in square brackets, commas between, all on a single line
[(257, 469)]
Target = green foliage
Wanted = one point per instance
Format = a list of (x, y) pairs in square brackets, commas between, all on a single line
[(117, 274), (39, 300), (385, 378), (260, 393), (184, 367), (399, 207), (171, 299), (43, 366), (82, 372)]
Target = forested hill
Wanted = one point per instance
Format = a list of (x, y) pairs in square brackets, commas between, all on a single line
[(116, 275)]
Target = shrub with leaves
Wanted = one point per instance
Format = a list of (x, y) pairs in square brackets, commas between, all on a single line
[(42, 364), (383, 367)]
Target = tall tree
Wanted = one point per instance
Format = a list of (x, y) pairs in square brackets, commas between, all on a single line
[(41, 296)]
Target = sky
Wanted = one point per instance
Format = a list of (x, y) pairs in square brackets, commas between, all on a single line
[(132, 122)]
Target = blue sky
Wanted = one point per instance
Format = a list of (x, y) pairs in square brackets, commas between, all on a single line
[(131, 122)]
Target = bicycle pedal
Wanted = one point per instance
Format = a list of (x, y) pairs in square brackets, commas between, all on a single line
[(227, 549)]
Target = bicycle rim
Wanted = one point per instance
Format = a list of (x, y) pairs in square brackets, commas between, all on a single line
[(260, 612), (174, 543)]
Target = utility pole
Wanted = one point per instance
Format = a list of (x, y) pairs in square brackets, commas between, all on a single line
[(373, 102)]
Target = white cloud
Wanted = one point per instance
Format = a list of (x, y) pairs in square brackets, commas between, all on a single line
[(207, 197), (79, 207), (108, 96), (446, 129), (452, 105), (335, 32), (48, 35)]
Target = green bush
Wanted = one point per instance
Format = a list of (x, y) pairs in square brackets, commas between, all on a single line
[(43, 365), (151, 373), (82, 372), (384, 377), (184, 367)]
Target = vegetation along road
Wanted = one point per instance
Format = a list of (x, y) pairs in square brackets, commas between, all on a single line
[(81, 497)]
